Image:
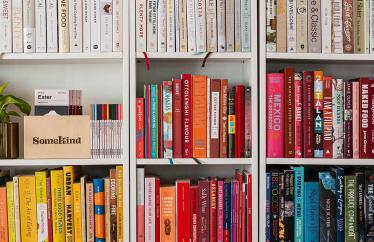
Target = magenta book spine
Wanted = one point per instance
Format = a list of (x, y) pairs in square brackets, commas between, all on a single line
[(220, 211), (299, 115)]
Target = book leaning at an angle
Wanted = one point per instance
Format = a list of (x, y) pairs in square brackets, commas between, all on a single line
[(63, 26), (40, 26), (76, 25), (200, 16), (106, 25), (17, 26), (28, 26), (141, 25), (52, 26), (5, 27)]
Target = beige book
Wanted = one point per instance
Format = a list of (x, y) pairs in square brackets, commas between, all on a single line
[(63, 26), (302, 26), (282, 26), (183, 26), (361, 26)]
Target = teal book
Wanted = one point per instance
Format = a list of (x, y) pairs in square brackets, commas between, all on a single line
[(154, 121), (350, 209), (299, 204), (311, 203)]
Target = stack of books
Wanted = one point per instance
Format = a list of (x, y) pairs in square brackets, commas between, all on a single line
[(334, 205), (193, 26), (194, 116), (58, 101), (58, 205), (106, 130), (320, 26), (213, 210), (310, 114), (60, 26)]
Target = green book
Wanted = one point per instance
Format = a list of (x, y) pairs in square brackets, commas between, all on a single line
[(350, 209)]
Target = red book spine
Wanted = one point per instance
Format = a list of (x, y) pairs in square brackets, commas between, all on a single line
[(239, 112), (203, 208), (364, 118), (139, 127), (49, 210), (308, 114), (160, 122), (249, 208), (298, 115), (371, 113), (348, 126), (158, 211), (187, 115), (289, 115), (194, 214), (220, 211), (177, 119), (327, 118), (213, 210), (183, 211)]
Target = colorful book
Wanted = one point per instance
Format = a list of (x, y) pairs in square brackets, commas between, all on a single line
[(350, 208), (289, 113), (338, 175), (140, 205), (4, 217), (187, 115), (139, 127), (348, 149), (183, 210), (318, 114), (99, 209), (327, 118), (58, 211), (298, 114), (90, 217), (69, 177), (119, 192), (308, 114), (299, 203), (167, 212), (168, 118), (154, 121)]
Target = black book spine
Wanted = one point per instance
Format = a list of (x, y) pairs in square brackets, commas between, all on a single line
[(369, 207), (281, 207), (232, 124), (274, 207), (360, 206), (327, 207), (289, 206)]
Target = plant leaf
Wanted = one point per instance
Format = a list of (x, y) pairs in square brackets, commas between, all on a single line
[(7, 100), (3, 87), (13, 113)]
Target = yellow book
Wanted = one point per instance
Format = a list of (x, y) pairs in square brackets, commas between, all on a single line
[(77, 212), (27, 204), (41, 205), (58, 211), (119, 183), (107, 208), (10, 203), (69, 178)]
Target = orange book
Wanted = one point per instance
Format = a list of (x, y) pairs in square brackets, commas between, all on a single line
[(167, 208), (3, 216), (199, 117)]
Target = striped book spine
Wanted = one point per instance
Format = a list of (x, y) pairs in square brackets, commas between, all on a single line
[(99, 207), (168, 118), (318, 114)]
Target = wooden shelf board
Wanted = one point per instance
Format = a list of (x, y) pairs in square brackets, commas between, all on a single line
[(190, 161), (318, 57), (318, 161), (186, 56), (59, 162)]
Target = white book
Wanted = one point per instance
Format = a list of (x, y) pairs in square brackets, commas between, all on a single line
[(150, 208), (63, 26), (86, 32), (106, 29), (41, 26), (367, 26), (52, 37), (17, 26), (230, 25), (238, 29), (200, 25), (291, 26), (16, 209), (337, 27), (183, 26), (117, 26), (211, 25), (95, 26), (140, 192), (141, 26), (215, 115), (170, 30), (208, 119), (371, 13), (326, 15), (221, 25), (162, 23), (246, 25), (29, 26), (191, 26), (152, 25), (176, 17), (76, 25), (5, 26)]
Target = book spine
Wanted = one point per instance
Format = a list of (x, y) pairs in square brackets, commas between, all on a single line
[(76, 24), (86, 29), (302, 26), (17, 208), (160, 116), (231, 125), (187, 115), (168, 119), (230, 25), (350, 208), (170, 22), (200, 18), (338, 117), (119, 190), (213, 211), (221, 25), (208, 117), (275, 115), (282, 23), (326, 20), (58, 211), (271, 26), (337, 27), (298, 115), (63, 26), (220, 199), (69, 177), (239, 113), (226, 211), (99, 209), (268, 213), (274, 206), (154, 121), (52, 24), (177, 27), (339, 201), (28, 26), (41, 26), (308, 114), (141, 25), (371, 120), (369, 210), (83, 207), (140, 205), (211, 25), (348, 34), (215, 100), (27, 208), (314, 27), (281, 193), (248, 122), (299, 203), (10, 211), (177, 118), (289, 121), (356, 120), (360, 26), (249, 207), (223, 119), (117, 26), (327, 218), (291, 26), (245, 20), (364, 117), (371, 31), (113, 205), (150, 209), (17, 28), (167, 206), (289, 205), (78, 211), (348, 151), (194, 214), (360, 177), (4, 217), (318, 114), (311, 212), (151, 25), (41, 205), (183, 40), (106, 28), (191, 26), (95, 26), (90, 213), (158, 211), (139, 127), (237, 26), (327, 118), (234, 209), (6, 26), (183, 211)]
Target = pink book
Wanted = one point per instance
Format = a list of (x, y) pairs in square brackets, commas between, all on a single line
[(140, 205), (356, 120), (220, 211), (149, 209), (299, 115), (275, 115), (148, 126)]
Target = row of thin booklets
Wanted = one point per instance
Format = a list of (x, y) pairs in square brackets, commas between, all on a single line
[(194, 116), (59, 205), (214, 209), (193, 26), (332, 204), (310, 114), (320, 26), (28, 26)]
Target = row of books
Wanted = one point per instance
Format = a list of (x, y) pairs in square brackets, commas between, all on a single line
[(332, 204), (194, 116), (193, 26), (60, 26), (58, 102), (106, 130), (213, 210), (58, 205), (320, 26), (310, 114)]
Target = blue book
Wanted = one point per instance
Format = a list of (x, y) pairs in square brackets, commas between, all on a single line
[(154, 121), (268, 191), (227, 208), (338, 174), (99, 208), (311, 225), (299, 203)]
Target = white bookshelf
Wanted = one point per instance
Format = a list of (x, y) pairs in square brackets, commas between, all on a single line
[(188, 161)]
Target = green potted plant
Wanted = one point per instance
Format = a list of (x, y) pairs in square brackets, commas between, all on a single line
[(9, 140)]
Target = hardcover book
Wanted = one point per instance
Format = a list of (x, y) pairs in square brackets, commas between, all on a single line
[(318, 114), (360, 178), (364, 117), (314, 27), (348, 149), (356, 121), (274, 206), (291, 26), (298, 115), (312, 208), (199, 125), (187, 115), (301, 26), (289, 205), (338, 117), (231, 125), (350, 208), (177, 118), (281, 13), (299, 203), (369, 209), (308, 114), (337, 26), (348, 31), (27, 202), (327, 211), (289, 121), (215, 101), (167, 211), (168, 119), (327, 118), (139, 127), (338, 175), (183, 210)]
